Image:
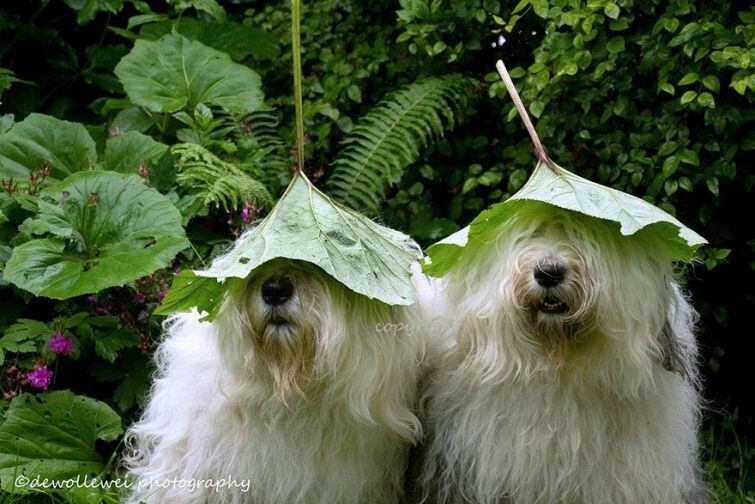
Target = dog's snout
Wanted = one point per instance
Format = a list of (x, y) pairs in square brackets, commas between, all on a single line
[(549, 273), (277, 290)]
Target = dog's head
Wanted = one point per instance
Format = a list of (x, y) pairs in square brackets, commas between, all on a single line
[(556, 284), (275, 318)]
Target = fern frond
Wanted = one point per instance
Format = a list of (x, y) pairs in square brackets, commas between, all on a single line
[(264, 149), (216, 181), (389, 138)]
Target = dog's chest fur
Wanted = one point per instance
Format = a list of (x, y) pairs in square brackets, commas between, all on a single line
[(561, 439)]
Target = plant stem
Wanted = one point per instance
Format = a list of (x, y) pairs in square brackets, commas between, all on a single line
[(541, 155), (296, 50)]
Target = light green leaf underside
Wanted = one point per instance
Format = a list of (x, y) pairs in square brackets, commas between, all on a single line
[(53, 435), (106, 229), (175, 73), (191, 291), (41, 140), (559, 187), (306, 225)]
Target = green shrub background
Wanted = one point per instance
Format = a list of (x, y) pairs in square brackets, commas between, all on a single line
[(650, 97)]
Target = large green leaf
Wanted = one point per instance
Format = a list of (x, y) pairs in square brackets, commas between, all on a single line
[(53, 435), (175, 73), (107, 229), (126, 152), (238, 40), (188, 291), (41, 140), (308, 226), (556, 186)]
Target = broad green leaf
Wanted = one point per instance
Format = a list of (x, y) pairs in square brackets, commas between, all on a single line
[(688, 78), (688, 97), (53, 435), (556, 186), (126, 152), (612, 10), (540, 7), (188, 291), (41, 140), (306, 225), (111, 342), (175, 73), (109, 229), (237, 40), (711, 82), (616, 45), (706, 100)]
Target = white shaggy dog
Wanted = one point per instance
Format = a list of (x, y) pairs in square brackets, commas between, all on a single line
[(572, 374), (299, 391)]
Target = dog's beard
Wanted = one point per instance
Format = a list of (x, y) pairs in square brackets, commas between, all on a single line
[(554, 317), (284, 337), (286, 346)]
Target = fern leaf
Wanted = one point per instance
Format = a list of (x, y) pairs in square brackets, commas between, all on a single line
[(264, 149), (216, 181), (390, 137)]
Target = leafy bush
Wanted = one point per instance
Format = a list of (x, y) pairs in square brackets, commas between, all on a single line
[(136, 139)]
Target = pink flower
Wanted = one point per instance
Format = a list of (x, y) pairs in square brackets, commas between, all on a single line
[(161, 294), (91, 299), (248, 213), (60, 344), (40, 377), (139, 296), (101, 310)]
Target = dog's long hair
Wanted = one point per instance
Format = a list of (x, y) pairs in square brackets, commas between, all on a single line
[(309, 403), (585, 391)]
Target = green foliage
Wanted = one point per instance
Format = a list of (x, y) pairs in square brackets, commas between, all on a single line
[(558, 187), (730, 461), (237, 40), (388, 139), (41, 141), (102, 229), (189, 74), (53, 435), (215, 181), (306, 225), (7, 78), (128, 152), (191, 291), (652, 98)]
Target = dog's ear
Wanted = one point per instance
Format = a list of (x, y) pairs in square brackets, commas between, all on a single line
[(677, 337), (673, 358)]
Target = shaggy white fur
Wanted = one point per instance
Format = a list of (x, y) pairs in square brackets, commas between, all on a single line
[(584, 391), (311, 401)]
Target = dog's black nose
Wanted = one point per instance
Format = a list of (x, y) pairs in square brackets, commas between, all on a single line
[(277, 290), (549, 274)]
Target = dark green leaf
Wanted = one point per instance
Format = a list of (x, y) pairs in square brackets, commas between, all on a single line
[(176, 73), (53, 436), (41, 140), (111, 229)]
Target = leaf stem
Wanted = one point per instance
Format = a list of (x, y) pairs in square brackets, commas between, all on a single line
[(542, 156), (296, 50)]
